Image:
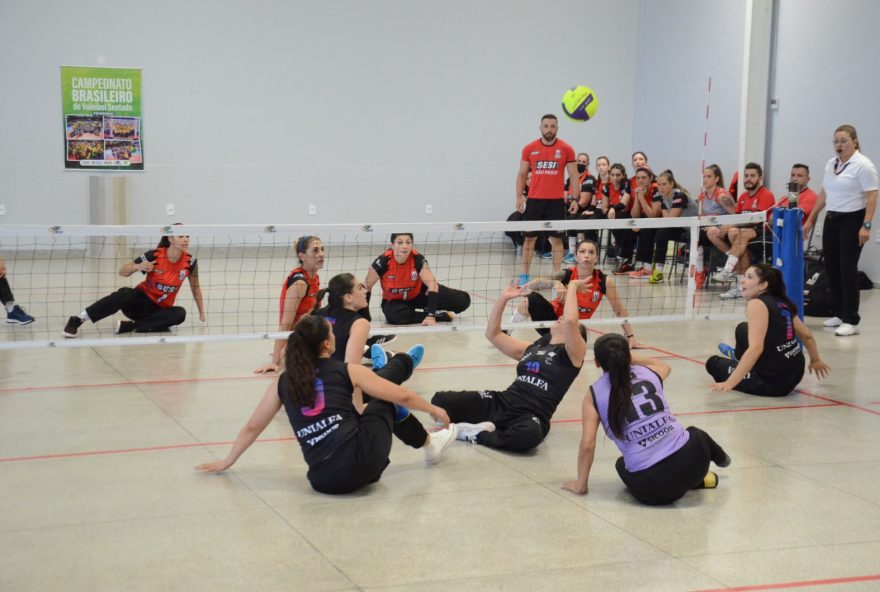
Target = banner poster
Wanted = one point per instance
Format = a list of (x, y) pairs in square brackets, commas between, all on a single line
[(103, 124)]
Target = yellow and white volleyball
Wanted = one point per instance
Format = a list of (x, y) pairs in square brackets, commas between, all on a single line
[(580, 103)]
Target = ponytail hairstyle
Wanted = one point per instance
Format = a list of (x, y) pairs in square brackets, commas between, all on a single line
[(302, 245), (716, 170), (303, 349), (165, 241), (612, 354), (667, 174), (775, 284), (338, 286)]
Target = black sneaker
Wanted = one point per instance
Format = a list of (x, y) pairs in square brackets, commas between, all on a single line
[(444, 316), (72, 326), (377, 339), (124, 327)]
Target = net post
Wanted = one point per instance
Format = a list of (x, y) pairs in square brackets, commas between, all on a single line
[(788, 252), (692, 269)]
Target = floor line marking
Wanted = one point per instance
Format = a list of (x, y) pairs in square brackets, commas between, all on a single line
[(797, 584)]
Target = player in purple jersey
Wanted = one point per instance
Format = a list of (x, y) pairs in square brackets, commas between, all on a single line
[(661, 460)]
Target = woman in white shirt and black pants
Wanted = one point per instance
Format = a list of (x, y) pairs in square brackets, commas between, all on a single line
[(850, 190)]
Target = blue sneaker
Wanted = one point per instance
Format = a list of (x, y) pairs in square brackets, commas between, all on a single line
[(378, 356), (416, 352), (728, 351), (569, 258), (546, 255), (19, 316), (523, 279)]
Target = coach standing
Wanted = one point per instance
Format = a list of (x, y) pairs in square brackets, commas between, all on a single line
[(850, 188), (546, 158)]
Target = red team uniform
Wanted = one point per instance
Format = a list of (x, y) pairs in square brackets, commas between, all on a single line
[(308, 301), (589, 300), (163, 283)]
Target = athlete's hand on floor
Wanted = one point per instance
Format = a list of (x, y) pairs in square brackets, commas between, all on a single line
[(820, 369), (218, 466), (575, 487), (722, 386), (267, 369)]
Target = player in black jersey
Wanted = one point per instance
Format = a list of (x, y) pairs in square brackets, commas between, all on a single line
[(768, 359), (518, 418), (347, 295), (345, 449)]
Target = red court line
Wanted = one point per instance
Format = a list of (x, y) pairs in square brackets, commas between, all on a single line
[(215, 379), (798, 390), (289, 439), (801, 584), (131, 450)]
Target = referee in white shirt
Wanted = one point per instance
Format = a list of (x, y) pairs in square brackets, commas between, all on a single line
[(850, 190)]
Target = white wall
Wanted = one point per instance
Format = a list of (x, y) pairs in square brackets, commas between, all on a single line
[(826, 75), (681, 44), (368, 109)]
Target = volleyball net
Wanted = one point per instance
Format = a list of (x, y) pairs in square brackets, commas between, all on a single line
[(56, 272)]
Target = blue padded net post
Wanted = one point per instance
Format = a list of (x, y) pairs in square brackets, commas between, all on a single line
[(788, 252)]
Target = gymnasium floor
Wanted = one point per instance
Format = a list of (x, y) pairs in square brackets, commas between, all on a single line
[(97, 447)]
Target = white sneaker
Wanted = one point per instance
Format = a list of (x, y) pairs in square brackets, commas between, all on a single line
[(833, 322), (440, 441), (467, 432), (724, 276), (845, 330), (732, 293)]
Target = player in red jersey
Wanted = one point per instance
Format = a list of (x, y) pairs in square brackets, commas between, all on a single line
[(596, 285), (410, 292), (734, 240), (299, 293), (546, 158), (150, 304)]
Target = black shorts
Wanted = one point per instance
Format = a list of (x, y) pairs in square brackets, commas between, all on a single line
[(544, 209)]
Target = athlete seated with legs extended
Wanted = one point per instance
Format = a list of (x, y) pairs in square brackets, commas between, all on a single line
[(596, 286), (14, 313), (150, 304), (518, 418), (410, 292), (661, 460), (347, 295), (768, 359), (344, 448)]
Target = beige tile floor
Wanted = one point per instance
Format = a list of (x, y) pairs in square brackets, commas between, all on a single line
[(97, 447)]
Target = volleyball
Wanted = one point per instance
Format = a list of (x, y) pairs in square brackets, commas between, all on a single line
[(580, 103)]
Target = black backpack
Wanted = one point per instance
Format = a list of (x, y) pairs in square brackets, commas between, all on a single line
[(817, 289), (541, 243)]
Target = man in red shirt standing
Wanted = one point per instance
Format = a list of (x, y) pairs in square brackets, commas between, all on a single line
[(734, 240), (546, 158), (800, 174)]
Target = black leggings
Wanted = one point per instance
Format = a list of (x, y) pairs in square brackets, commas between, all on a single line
[(361, 460), (5, 291), (840, 245), (136, 305), (662, 238), (645, 240), (754, 384), (672, 477), (406, 312), (515, 430)]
